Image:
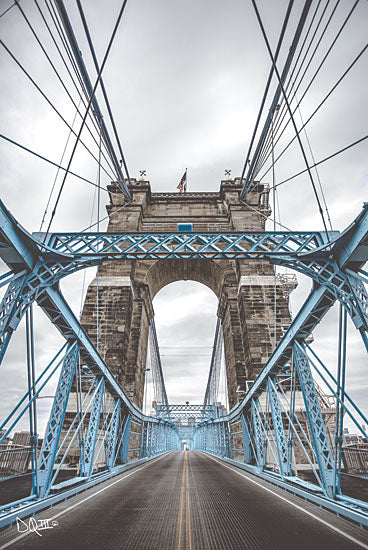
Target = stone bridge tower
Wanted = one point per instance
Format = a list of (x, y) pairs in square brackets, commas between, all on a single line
[(245, 288)]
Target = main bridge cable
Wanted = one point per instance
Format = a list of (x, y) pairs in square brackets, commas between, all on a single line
[(53, 68), (6, 138), (80, 93), (51, 104), (313, 78), (356, 59), (91, 92), (278, 119), (84, 21), (329, 157), (86, 113), (266, 127), (284, 25), (9, 8), (291, 115)]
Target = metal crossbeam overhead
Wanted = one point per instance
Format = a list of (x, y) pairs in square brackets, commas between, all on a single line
[(335, 266), (178, 245)]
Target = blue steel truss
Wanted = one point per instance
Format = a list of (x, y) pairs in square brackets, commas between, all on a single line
[(94, 420), (53, 430), (268, 428)]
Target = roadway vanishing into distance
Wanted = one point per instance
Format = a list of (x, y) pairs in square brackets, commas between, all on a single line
[(187, 500)]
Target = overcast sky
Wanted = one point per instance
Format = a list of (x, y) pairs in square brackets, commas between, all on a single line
[(185, 81)]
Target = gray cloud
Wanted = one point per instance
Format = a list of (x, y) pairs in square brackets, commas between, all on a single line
[(184, 81)]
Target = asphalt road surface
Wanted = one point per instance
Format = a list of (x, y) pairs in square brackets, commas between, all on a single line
[(186, 500)]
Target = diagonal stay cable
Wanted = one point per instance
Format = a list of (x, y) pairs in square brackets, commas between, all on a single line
[(314, 77), (319, 106), (80, 93), (324, 160), (57, 174), (88, 35), (2, 136), (87, 110), (50, 103), (47, 55), (281, 38), (9, 8), (290, 113)]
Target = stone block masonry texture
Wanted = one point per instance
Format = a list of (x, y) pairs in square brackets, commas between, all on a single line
[(126, 288)]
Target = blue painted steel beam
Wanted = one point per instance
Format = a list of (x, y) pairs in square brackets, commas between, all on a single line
[(92, 432), (278, 428), (259, 440), (52, 435), (315, 418), (113, 435)]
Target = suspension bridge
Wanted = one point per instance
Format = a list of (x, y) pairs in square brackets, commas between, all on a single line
[(272, 469)]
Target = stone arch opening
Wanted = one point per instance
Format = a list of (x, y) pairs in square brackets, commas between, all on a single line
[(185, 319), (245, 289)]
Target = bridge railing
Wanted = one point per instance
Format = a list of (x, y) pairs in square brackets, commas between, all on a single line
[(91, 432), (292, 432)]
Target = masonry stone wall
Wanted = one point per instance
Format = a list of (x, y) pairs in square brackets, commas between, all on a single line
[(124, 289)]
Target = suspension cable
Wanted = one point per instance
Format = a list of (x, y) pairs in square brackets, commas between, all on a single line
[(47, 56), (249, 182), (278, 119), (79, 92), (49, 161), (96, 109), (84, 21), (87, 110), (317, 71), (265, 93), (291, 114), (283, 112), (319, 106), (50, 102)]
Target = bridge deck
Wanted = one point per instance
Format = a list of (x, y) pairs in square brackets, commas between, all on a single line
[(188, 500)]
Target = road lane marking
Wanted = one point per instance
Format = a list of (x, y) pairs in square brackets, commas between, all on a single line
[(181, 507), (336, 529), (188, 519), (11, 542)]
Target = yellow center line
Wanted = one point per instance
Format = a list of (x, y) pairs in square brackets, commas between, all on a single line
[(188, 522), (181, 506)]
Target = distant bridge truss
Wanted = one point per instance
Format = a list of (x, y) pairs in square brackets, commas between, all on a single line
[(263, 433)]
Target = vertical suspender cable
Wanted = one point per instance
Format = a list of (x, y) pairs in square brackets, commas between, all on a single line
[(278, 92), (286, 20), (281, 87), (59, 2), (91, 91)]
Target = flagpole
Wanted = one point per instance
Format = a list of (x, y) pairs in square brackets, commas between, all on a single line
[(186, 180)]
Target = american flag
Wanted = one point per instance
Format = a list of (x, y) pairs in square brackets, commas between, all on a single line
[(183, 183)]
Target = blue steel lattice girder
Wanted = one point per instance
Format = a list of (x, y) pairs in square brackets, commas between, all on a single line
[(246, 440), (264, 245), (125, 438), (258, 434), (315, 419), (178, 245), (143, 442), (112, 439), (50, 443), (92, 432), (278, 427)]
